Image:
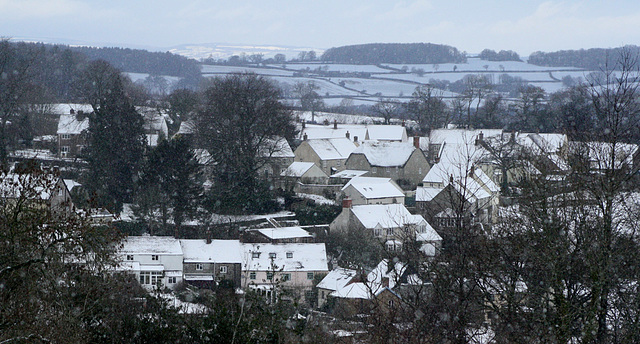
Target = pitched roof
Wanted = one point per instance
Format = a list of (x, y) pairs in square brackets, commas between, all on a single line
[(218, 251), (348, 174), (372, 187), (297, 169), (30, 186), (386, 154), (387, 133), (332, 149), (425, 194), (314, 131), (385, 215), (277, 148), (69, 124), (337, 278), (147, 244), (306, 257)]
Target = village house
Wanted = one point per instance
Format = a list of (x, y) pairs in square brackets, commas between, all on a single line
[(283, 270), (72, 128), (372, 190), (208, 263), (328, 154), (277, 155), (335, 280), (154, 260), (343, 177), (155, 128), (403, 162), (392, 224), (42, 189), (302, 173)]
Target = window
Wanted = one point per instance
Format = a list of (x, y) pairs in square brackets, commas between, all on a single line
[(223, 269), (286, 277), (389, 231), (199, 266), (64, 149), (65, 136), (154, 257), (269, 276), (390, 303), (129, 257), (172, 280), (252, 275), (255, 254), (289, 254), (150, 277), (377, 232), (272, 255), (309, 275), (374, 170)]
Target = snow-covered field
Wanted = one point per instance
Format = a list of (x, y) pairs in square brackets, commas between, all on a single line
[(344, 68), (478, 65), (215, 69), (326, 88)]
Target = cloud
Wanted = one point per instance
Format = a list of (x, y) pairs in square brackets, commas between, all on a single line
[(40, 9)]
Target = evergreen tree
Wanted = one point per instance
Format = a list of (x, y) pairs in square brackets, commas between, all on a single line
[(116, 138)]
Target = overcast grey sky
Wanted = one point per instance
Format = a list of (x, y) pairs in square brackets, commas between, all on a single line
[(470, 25)]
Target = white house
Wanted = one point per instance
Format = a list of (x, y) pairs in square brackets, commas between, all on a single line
[(155, 260), (283, 267), (209, 262)]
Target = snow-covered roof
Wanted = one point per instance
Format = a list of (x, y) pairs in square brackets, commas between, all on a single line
[(70, 183), (385, 215), (65, 109), (218, 251), (387, 133), (348, 174), (277, 148), (332, 149), (284, 233), (461, 136), (297, 169), (356, 290), (147, 244), (372, 187), (186, 128), (315, 131), (305, 257), (337, 278), (69, 124), (31, 186), (386, 154), (383, 276), (425, 194)]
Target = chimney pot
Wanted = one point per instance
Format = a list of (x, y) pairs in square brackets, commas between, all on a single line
[(304, 137), (355, 139), (72, 111), (335, 124), (347, 134)]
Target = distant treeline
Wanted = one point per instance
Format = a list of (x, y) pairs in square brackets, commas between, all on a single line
[(398, 53), (593, 59), (502, 55), (142, 61), (53, 69)]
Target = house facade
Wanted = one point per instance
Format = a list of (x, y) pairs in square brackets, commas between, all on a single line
[(154, 260), (329, 154), (371, 190), (212, 262), (72, 134)]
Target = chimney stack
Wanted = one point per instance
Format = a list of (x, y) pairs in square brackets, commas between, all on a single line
[(403, 124), (72, 111), (304, 137), (304, 123), (416, 141), (355, 139), (346, 203), (208, 237), (335, 124), (347, 134)]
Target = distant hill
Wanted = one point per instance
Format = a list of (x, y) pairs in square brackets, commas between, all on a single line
[(143, 61), (397, 53), (592, 59)]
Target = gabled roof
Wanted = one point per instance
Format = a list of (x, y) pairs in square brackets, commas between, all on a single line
[(372, 187), (337, 278), (315, 131), (297, 169), (147, 244), (425, 194), (387, 133), (332, 149), (31, 186), (386, 154), (218, 251), (69, 124), (385, 216), (306, 257), (277, 148)]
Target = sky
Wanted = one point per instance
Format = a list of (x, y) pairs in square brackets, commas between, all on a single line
[(524, 26)]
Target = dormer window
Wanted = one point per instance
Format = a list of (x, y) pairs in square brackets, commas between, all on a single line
[(154, 257), (129, 257)]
